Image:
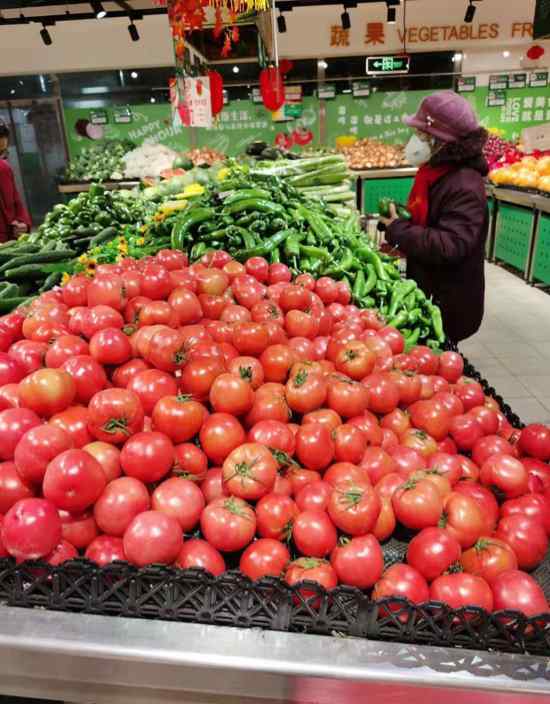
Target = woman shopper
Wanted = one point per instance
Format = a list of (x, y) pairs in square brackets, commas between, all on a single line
[(445, 239), (14, 218)]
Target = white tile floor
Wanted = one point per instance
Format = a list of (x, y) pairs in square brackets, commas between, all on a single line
[(512, 348)]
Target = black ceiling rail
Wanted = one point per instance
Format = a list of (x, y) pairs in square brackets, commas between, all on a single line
[(72, 17)]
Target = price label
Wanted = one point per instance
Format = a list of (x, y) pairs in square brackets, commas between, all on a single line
[(466, 84), (496, 98), (361, 89), (327, 91), (123, 116), (99, 117), (498, 82), (538, 79), (518, 80)]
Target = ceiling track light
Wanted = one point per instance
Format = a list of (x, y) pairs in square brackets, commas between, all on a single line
[(46, 38), (470, 12), (133, 32), (98, 9), (345, 19), (391, 16), (281, 24)]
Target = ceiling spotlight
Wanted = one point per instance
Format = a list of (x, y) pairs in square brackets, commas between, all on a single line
[(12, 91), (236, 69), (470, 12), (322, 64), (134, 74), (345, 19), (281, 24), (46, 38), (506, 53), (99, 10), (457, 57), (153, 99), (133, 32), (392, 15)]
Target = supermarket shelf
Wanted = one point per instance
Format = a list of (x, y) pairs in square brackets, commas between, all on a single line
[(99, 659), (109, 185), (386, 173)]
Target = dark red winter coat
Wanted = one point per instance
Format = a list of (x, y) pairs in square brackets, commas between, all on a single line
[(446, 258), (11, 205)]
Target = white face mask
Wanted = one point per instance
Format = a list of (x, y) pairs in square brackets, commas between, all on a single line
[(417, 151)]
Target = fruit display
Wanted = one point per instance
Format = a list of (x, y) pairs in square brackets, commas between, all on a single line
[(224, 414), (530, 172), (371, 153), (495, 148), (102, 161)]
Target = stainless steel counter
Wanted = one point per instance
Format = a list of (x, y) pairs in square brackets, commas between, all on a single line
[(108, 660), (386, 173), (109, 185)]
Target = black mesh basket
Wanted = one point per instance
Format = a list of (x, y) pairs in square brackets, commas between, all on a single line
[(193, 595)]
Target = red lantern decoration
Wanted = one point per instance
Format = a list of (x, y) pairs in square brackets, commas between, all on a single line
[(216, 91), (535, 52), (272, 88)]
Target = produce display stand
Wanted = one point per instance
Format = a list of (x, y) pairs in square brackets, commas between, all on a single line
[(373, 184), (71, 188)]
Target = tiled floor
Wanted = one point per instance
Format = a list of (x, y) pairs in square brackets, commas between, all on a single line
[(512, 348)]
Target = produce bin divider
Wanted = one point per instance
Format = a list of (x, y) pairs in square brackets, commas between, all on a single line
[(193, 595)]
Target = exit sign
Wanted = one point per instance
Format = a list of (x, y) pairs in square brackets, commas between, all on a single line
[(388, 64)]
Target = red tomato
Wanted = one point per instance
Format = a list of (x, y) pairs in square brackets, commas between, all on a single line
[(306, 391), (470, 393), (152, 537), (265, 557), (314, 496), (73, 481), (433, 551), (273, 434), (62, 552), (354, 508), (220, 434), (358, 562), (75, 422), (462, 589), (181, 499), (258, 267), (488, 558), (535, 441), (31, 529), (314, 534), (517, 590), (349, 443), (198, 375), (401, 581), (311, 570), (121, 501), (506, 474), (47, 391), (275, 515), (314, 446), (231, 394), (14, 423), (539, 473), (106, 290), (463, 518), (37, 448), (348, 398), (178, 417), (451, 366), (268, 406), (527, 538), (25, 356), (96, 318), (105, 549), (344, 472), (74, 292), (249, 471), (408, 460), (147, 456), (377, 462), (63, 348), (431, 417), (79, 530), (186, 304), (427, 361), (383, 393), (276, 361), (152, 387), (535, 506), (487, 418), (155, 282), (13, 486), (279, 273), (108, 457), (490, 445), (447, 465), (199, 553), (114, 415), (417, 504), (88, 375), (110, 346), (466, 431), (355, 360), (171, 259), (228, 524)]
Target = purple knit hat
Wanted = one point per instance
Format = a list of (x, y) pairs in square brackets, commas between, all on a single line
[(445, 115)]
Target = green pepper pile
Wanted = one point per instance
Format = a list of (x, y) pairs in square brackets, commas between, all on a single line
[(268, 217)]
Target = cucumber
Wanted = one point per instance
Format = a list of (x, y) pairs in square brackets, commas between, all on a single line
[(8, 290), (53, 279), (8, 304), (108, 233), (25, 271), (40, 258)]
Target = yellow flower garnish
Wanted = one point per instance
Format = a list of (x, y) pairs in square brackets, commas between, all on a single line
[(223, 173), (83, 258), (65, 278)]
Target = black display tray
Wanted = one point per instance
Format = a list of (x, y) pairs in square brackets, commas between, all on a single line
[(160, 592)]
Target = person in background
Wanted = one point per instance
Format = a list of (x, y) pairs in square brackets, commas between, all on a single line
[(444, 241), (14, 218)]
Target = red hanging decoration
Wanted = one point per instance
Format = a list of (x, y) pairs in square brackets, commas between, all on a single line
[(216, 91), (535, 52), (285, 66), (272, 88)]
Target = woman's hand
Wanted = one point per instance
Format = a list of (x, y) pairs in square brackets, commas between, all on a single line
[(19, 227), (393, 216)]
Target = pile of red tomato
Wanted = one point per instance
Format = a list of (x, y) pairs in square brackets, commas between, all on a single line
[(184, 415)]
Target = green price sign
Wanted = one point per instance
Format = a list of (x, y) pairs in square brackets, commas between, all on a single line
[(99, 117), (327, 91), (466, 84), (538, 79), (518, 80), (496, 98), (498, 82), (388, 64)]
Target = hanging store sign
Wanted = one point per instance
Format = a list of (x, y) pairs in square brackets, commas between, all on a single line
[(498, 82), (195, 107), (466, 84), (496, 98), (387, 65), (517, 80), (538, 79)]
